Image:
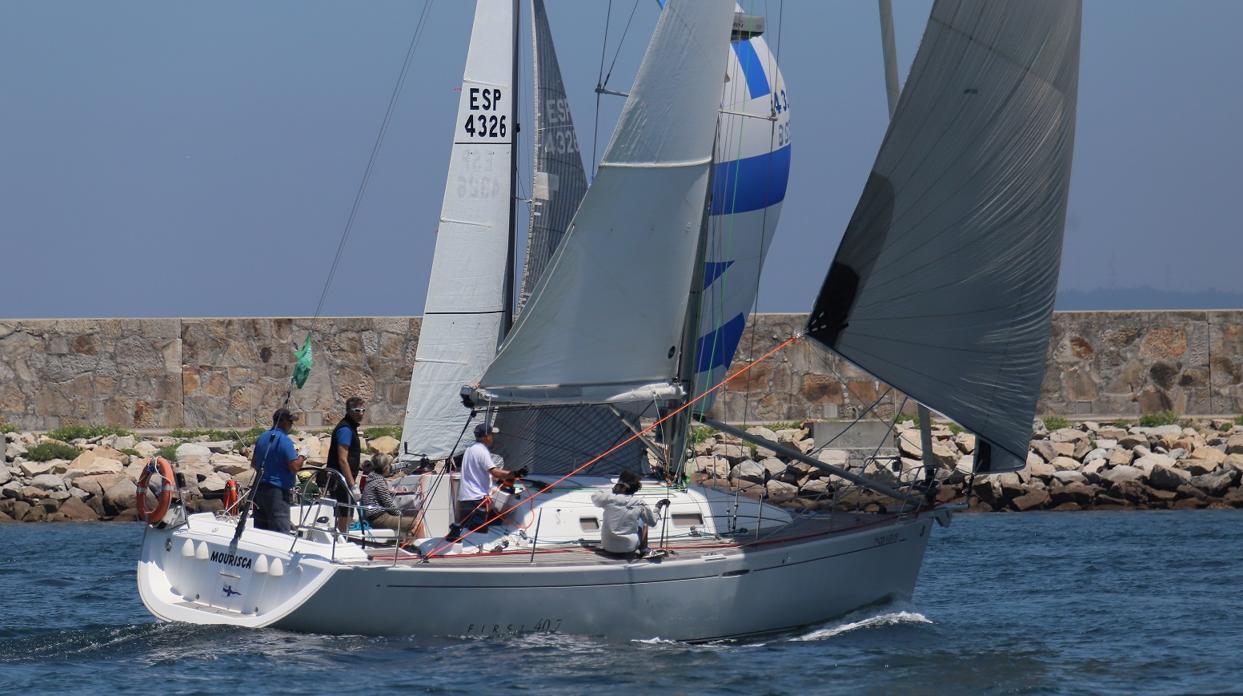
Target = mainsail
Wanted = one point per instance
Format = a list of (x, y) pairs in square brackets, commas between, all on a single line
[(464, 316), (606, 320), (556, 440), (749, 184), (944, 282)]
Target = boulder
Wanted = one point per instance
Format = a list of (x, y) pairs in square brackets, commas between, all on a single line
[(35, 468), (965, 442), (36, 513), (1147, 462), (193, 453), (1067, 477), (1120, 456), (1167, 478), (89, 465), (780, 490), (734, 453), (145, 449), (1098, 453), (1204, 460), (747, 470), (791, 436), (5, 474), (123, 442), (219, 446), (1215, 485), (1077, 493), (835, 457), (385, 444), (1065, 464), (14, 451), (48, 482), (75, 510), (1122, 474), (1039, 468), (33, 492), (714, 467), (119, 496), (213, 486), (1068, 435), (1131, 441), (1045, 449), (1234, 445), (816, 487), (1065, 449), (1106, 443), (806, 445), (1094, 467), (1032, 500), (230, 463), (1110, 432), (1234, 461)]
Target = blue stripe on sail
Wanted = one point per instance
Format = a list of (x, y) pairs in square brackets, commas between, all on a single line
[(752, 68), (713, 270), (751, 183), (717, 348)]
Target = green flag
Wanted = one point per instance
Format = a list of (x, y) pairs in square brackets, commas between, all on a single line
[(302, 365)]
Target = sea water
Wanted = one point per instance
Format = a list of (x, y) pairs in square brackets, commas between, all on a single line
[(1071, 602)]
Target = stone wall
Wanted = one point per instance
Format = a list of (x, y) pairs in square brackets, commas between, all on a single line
[(214, 372)]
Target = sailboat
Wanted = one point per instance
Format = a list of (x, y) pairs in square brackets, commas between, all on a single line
[(942, 286)]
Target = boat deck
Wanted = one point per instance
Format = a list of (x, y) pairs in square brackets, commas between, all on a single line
[(589, 553)]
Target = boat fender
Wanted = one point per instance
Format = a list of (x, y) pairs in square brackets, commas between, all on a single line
[(230, 494), (164, 496)]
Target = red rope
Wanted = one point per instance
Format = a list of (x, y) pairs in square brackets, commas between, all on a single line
[(625, 442)]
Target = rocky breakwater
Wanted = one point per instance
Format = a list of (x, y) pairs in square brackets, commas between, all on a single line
[(94, 478), (1084, 466)]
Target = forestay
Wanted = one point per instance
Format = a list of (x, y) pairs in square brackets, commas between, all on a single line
[(605, 323), (556, 439), (465, 309), (944, 282)]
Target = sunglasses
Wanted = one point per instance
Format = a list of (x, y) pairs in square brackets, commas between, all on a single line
[(358, 410)]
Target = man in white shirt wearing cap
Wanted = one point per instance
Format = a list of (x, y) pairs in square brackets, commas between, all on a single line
[(479, 470)]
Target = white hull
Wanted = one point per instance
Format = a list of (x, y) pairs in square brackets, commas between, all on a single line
[(802, 574)]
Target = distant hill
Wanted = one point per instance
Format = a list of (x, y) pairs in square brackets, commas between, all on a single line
[(1146, 298)]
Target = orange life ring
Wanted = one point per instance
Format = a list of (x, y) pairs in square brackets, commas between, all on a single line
[(164, 497), (230, 495)]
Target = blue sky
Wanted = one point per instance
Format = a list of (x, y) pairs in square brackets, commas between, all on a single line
[(164, 158)]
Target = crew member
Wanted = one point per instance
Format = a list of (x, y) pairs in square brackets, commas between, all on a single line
[(479, 470), (276, 461), (626, 518), (344, 455), (379, 505)]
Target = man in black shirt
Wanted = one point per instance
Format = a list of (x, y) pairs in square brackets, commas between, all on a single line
[(344, 455)]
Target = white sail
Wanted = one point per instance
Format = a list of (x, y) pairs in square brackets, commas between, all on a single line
[(466, 300), (556, 440), (944, 282), (748, 187), (606, 321)]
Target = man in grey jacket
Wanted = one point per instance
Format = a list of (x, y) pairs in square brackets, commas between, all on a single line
[(626, 518)]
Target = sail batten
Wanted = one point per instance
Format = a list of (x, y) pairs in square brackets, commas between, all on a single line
[(944, 282)]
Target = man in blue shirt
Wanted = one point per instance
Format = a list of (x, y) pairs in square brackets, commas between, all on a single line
[(276, 460)]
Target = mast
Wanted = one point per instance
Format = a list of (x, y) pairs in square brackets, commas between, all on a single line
[(891, 95), (687, 360), (507, 319)]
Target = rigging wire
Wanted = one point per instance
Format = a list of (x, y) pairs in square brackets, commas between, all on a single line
[(595, 132), (371, 160)]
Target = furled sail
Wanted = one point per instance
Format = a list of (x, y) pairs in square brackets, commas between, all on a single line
[(556, 440), (749, 185), (466, 301), (606, 320), (944, 282)]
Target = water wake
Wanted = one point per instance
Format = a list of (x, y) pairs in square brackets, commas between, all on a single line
[(890, 618)]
